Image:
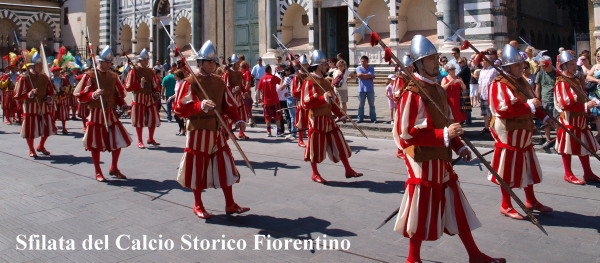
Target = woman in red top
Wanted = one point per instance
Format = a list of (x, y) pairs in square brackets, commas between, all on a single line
[(454, 86)]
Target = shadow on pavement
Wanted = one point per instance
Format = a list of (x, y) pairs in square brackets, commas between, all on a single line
[(387, 187), (357, 149), (75, 135), (265, 139), (569, 219), (268, 165), (300, 228), (169, 149), (148, 186), (68, 159)]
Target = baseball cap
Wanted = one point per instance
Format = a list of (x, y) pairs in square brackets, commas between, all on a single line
[(391, 76)]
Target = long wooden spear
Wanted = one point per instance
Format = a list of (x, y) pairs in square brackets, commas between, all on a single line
[(92, 57)]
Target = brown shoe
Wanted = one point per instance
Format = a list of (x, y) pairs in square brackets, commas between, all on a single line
[(538, 207), (43, 151), (591, 178), (117, 174), (353, 174)]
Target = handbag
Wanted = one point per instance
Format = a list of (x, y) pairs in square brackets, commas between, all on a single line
[(591, 86)]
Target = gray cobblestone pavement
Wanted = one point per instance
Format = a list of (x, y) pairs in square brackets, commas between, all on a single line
[(57, 196)]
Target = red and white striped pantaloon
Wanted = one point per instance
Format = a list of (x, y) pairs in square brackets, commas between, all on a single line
[(325, 138), (98, 138), (207, 161), (431, 201)]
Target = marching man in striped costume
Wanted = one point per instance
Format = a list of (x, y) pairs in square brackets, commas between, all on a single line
[(512, 128), (144, 112), (571, 102), (61, 89), (234, 80), (296, 88), (38, 120), (433, 201), (207, 161), (324, 136), (97, 138)]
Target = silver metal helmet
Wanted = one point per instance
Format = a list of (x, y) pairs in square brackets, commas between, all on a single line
[(407, 61), (36, 59), (303, 60), (421, 47), (106, 54), (234, 59), (207, 51), (317, 58), (566, 56), (144, 55), (510, 55)]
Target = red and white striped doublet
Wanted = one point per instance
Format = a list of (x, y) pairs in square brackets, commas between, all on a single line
[(38, 116), (433, 195), (96, 136), (573, 115), (207, 160), (514, 158)]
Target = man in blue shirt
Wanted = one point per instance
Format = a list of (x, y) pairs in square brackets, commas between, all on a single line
[(166, 68), (258, 71), (366, 90)]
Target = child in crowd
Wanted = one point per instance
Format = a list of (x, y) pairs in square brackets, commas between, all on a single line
[(389, 93)]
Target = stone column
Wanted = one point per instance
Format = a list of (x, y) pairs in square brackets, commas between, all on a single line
[(501, 25), (449, 9), (311, 25), (196, 23), (394, 40), (352, 22), (596, 20), (104, 23), (271, 26)]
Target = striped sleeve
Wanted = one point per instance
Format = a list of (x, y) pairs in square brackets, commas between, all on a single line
[(415, 126), (504, 104), (565, 98)]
